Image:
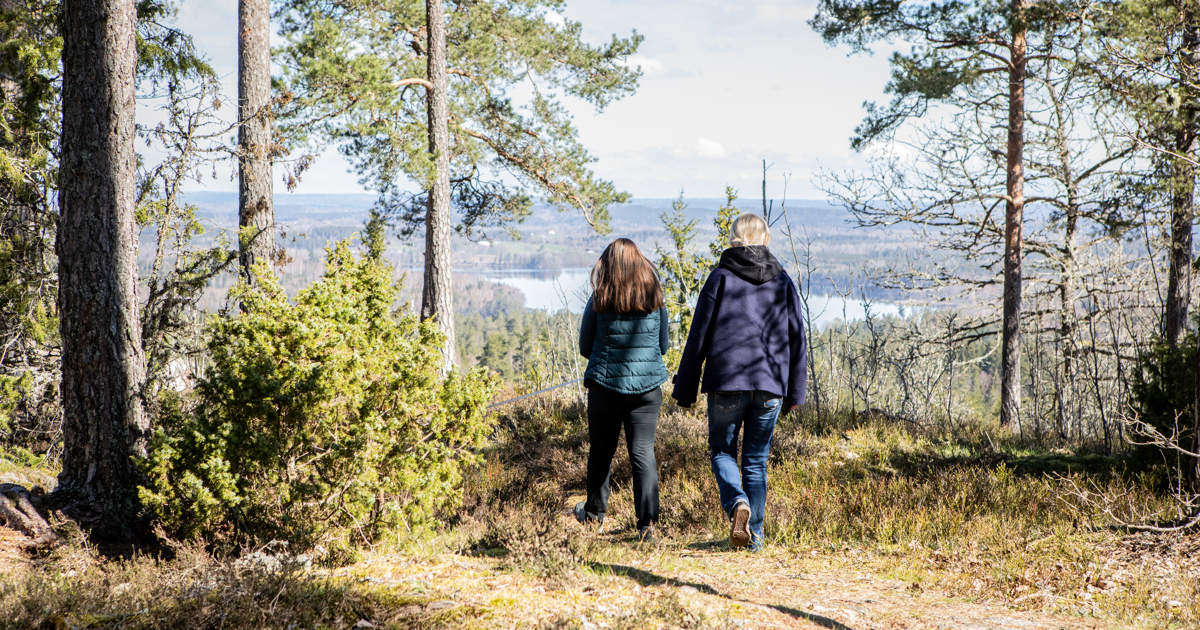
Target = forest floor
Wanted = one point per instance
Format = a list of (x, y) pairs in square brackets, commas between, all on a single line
[(619, 583), (869, 526), (703, 584)]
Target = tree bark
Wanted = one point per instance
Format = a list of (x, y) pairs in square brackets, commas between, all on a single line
[(436, 298), (1010, 376), (256, 212), (103, 365), (1065, 388), (1179, 276), (1183, 186), (1179, 283), (1196, 428), (1066, 333)]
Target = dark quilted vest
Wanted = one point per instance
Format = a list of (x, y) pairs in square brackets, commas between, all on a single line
[(626, 357)]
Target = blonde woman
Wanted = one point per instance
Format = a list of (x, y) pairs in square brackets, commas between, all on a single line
[(623, 336), (749, 329)]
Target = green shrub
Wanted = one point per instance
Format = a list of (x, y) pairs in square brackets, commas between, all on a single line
[(12, 390), (1164, 390), (322, 422)]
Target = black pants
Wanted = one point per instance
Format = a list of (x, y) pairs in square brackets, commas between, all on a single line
[(608, 412)]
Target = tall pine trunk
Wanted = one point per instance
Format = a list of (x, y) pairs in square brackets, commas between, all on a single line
[(1179, 275), (1183, 187), (103, 365), (436, 298), (1196, 428), (1183, 206), (1010, 359), (256, 212)]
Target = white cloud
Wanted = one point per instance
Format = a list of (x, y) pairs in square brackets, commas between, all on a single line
[(779, 14), (749, 71), (649, 66), (706, 148)]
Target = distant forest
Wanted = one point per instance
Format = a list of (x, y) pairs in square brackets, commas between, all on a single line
[(845, 258)]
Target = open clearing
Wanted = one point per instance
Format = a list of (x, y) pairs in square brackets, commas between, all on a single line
[(702, 584), (604, 579), (697, 587)]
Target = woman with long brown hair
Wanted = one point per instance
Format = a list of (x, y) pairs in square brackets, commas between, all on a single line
[(623, 336)]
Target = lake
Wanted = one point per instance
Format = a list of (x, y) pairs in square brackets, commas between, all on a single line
[(553, 290)]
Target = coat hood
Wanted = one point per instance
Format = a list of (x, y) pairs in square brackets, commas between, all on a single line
[(753, 263)]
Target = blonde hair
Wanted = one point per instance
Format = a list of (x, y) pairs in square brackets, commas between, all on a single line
[(749, 229)]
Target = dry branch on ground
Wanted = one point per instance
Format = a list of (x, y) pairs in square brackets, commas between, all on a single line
[(18, 511)]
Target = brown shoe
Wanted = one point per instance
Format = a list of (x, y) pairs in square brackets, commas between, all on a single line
[(739, 528)]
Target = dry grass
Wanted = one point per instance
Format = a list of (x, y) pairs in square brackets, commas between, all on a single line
[(79, 589), (979, 514), (869, 525), (23, 467)]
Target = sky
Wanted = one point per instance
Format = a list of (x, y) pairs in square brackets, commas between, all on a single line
[(725, 85)]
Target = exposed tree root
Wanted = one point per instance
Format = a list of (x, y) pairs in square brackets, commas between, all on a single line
[(18, 512)]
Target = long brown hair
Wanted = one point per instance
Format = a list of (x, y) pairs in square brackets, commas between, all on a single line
[(624, 281)]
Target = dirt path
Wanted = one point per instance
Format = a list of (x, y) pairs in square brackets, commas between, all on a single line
[(694, 588), (628, 585), (696, 584)]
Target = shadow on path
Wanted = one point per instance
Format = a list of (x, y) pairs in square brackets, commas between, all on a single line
[(646, 578)]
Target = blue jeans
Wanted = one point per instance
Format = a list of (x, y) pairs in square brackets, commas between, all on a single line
[(752, 413)]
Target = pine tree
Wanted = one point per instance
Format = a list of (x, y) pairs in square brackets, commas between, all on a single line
[(437, 300), (683, 271), (103, 364), (1150, 66), (366, 76), (957, 49), (256, 212), (29, 119), (724, 224)]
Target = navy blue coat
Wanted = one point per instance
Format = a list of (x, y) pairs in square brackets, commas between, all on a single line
[(749, 328)]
